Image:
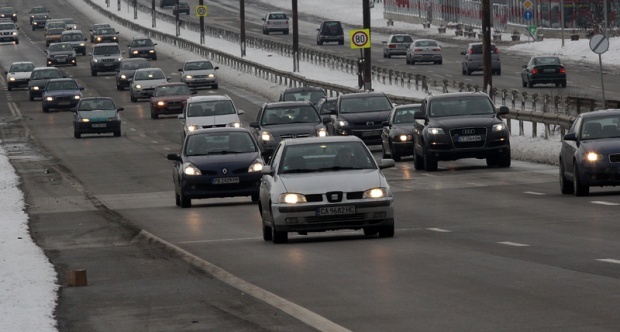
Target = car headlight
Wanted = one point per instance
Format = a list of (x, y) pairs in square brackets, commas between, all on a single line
[(435, 131), (14, 33), (292, 198), (211, 76), (266, 136), (11, 79), (98, 38), (404, 138), (592, 156), (161, 103), (234, 124), (321, 132), (342, 123), (82, 44), (375, 193), (84, 120), (119, 58), (151, 51), (189, 169), (76, 97), (189, 77), (192, 127), (135, 52), (123, 77), (138, 86), (257, 166), (49, 98), (499, 127), (35, 88)]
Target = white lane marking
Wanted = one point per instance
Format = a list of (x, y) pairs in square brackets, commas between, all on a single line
[(312, 319), (534, 193), (604, 203), (609, 260), (439, 230), (514, 244)]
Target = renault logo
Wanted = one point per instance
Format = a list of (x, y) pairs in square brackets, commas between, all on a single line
[(468, 131), (370, 123), (224, 171)]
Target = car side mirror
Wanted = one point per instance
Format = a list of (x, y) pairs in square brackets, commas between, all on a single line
[(128, 45), (570, 137), (168, 79), (181, 116), (194, 92), (173, 156), (384, 42), (462, 53), (216, 68), (524, 66), (503, 110), (326, 119), (386, 163), (154, 44), (266, 170), (180, 69), (240, 112), (332, 112), (120, 109), (263, 18), (254, 124), (85, 39), (81, 88)]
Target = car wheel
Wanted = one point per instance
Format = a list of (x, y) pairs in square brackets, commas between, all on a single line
[(93, 72), (440, 62), (154, 115), (77, 134), (418, 161), (254, 198), (579, 189), (563, 84), (214, 86), (117, 133), (530, 84), (407, 60), (388, 55), (430, 164), (499, 72), (133, 99), (9, 88), (504, 160), (31, 97), (371, 231), (341, 42), (394, 154), (83, 52), (277, 236), (467, 71), (463, 72), (177, 199), (523, 83), (286, 32), (386, 231), (412, 62), (186, 202), (46, 109), (566, 186)]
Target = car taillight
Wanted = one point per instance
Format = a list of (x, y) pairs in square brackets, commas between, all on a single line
[(437, 49), (418, 50), (471, 51), (392, 46), (534, 71), (563, 70), (497, 51)]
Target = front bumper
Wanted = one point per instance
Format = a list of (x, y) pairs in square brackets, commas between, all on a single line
[(104, 66), (600, 173), (144, 54), (200, 81), (370, 136), (18, 83), (67, 61), (97, 127), (60, 103), (173, 107), (402, 148), (197, 187)]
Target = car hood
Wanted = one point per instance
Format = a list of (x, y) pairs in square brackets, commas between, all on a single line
[(211, 120), (150, 83), (376, 117), (199, 72), (97, 115), (602, 145), (401, 129), (38, 82), (449, 122), (293, 128), (59, 93), (230, 161), (344, 180), (171, 98), (61, 53), (19, 75)]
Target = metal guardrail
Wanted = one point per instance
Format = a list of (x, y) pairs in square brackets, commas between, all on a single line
[(556, 113)]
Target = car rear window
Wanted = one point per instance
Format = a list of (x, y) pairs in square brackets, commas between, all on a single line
[(402, 39), (277, 16)]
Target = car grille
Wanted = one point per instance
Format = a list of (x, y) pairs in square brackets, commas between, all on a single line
[(614, 158), (7, 33), (174, 103), (64, 98), (314, 198), (61, 57), (200, 76), (284, 136), (455, 133), (107, 60), (215, 126)]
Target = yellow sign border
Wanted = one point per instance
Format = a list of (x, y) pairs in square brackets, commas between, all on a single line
[(354, 32), (198, 9)]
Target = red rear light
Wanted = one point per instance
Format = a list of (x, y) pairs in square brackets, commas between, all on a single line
[(471, 51), (418, 50), (563, 70), (437, 49), (496, 50), (392, 46), (534, 71)]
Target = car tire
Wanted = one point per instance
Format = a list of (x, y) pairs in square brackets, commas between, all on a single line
[(393, 153), (319, 42), (440, 62), (498, 72), (523, 83), (45, 109), (418, 161), (77, 134), (31, 97), (463, 72), (467, 71), (254, 198), (10, 88), (563, 84), (93, 72), (530, 84), (177, 199), (386, 231), (430, 164), (83, 52), (566, 186), (277, 236), (75, 64), (186, 202), (407, 61), (388, 55), (214, 86), (341, 42), (154, 115), (579, 189), (412, 62), (133, 99), (286, 32), (371, 231), (504, 160), (117, 133)]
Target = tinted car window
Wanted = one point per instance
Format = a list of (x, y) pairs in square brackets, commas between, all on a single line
[(365, 104), (402, 39), (104, 50)]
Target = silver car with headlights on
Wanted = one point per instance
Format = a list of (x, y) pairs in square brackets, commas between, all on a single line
[(209, 112), (325, 184), (199, 73)]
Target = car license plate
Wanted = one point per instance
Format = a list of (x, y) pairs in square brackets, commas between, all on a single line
[(227, 180), (61, 60), (335, 210), (64, 103), (472, 138), (371, 133), (99, 125), (549, 70)]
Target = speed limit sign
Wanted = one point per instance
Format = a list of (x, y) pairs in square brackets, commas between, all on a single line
[(360, 38), (201, 10)]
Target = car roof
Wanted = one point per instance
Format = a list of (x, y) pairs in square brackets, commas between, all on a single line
[(134, 60), (70, 32), (95, 98), (197, 60), (62, 79), (305, 88), (22, 63), (149, 69), (207, 98), (326, 139), (45, 68), (140, 37), (361, 94), (456, 95), (172, 84), (105, 44), (218, 130), (407, 106), (277, 104), (595, 114)]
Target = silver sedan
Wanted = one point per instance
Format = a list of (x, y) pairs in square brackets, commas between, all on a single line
[(323, 184), (424, 50)]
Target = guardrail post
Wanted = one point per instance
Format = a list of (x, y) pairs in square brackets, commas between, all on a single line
[(445, 86), (417, 81), (390, 73), (424, 83), (468, 87), (461, 86), (523, 99), (493, 93), (504, 95), (546, 99), (534, 100)]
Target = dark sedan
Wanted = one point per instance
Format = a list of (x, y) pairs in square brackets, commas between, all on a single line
[(96, 115), (310, 93), (396, 138), (126, 69), (105, 35), (38, 80), (543, 70), (37, 10), (61, 93), (61, 54), (287, 119), (142, 47), (169, 98), (590, 155), (361, 114), (217, 162), (38, 21)]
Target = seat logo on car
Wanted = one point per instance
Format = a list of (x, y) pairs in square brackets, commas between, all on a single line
[(468, 131), (370, 123), (224, 171)]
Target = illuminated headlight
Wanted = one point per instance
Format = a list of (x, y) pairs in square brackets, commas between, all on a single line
[(192, 127), (435, 131), (84, 120), (257, 166), (14, 33), (35, 88), (188, 77), (266, 136), (375, 193), (292, 198), (49, 98), (119, 58), (95, 60), (499, 127), (404, 138), (135, 52), (76, 97), (82, 44), (342, 123), (98, 38), (114, 38), (151, 51), (123, 77), (234, 124), (11, 79), (591, 156), (189, 169), (321, 132), (211, 76), (35, 23), (138, 86), (161, 103), (14, 15)]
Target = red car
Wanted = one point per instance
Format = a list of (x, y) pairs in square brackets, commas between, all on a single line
[(169, 98)]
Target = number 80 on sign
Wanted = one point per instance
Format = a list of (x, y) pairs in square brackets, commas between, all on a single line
[(360, 38)]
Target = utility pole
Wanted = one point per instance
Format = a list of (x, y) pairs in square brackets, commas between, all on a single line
[(367, 71), (242, 28), (486, 46), (176, 19), (153, 23), (202, 24), (295, 37)]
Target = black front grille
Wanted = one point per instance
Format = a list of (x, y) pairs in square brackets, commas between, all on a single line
[(614, 158), (313, 198), (355, 195), (456, 134), (64, 98), (215, 126), (285, 136)]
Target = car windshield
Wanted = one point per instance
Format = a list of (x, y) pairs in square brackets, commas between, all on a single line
[(60, 47), (106, 50), (401, 39), (198, 65), (7, 10), (219, 143), (211, 108), (460, 107), (61, 85), (21, 67), (58, 25), (55, 31), (365, 104), (141, 42), (105, 31), (328, 105), (278, 16), (96, 104), (68, 21), (100, 25), (322, 157), (601, 127), (405, 115), (133, 64), (171, 90), (7, 26), (312, 96), (41, 16), (35, 10), (72, 37), (293, 114), (40, 74), (147, 75)]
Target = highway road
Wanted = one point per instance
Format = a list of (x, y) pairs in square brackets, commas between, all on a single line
[(476, 248)]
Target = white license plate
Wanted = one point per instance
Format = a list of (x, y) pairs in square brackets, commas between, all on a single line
[(371, 133), (549, 70), (472, 138), (335, 210), (233, 179), (61, 60), (99, 125)]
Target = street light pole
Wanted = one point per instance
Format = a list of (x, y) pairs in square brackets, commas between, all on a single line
[(242, 28), (295, 37), (486, 47), (367, 71)]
